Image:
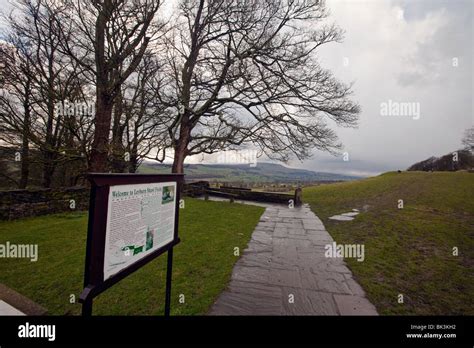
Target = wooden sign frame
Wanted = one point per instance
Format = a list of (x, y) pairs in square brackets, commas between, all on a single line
[(94, 282)]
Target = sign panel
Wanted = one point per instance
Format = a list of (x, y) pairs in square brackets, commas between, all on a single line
[(140, 220), (133, 219)]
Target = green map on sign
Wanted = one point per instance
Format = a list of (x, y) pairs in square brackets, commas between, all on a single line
[(168, 194), (134, 249)]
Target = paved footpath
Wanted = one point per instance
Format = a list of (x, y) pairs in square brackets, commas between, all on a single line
[(285, 261)]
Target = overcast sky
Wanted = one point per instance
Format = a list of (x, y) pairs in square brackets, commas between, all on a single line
[(413, 51), (402, 51)]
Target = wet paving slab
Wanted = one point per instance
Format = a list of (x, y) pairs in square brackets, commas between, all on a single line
[(284, 271)]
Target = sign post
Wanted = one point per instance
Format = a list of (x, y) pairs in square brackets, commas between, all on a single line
[(133, 218)]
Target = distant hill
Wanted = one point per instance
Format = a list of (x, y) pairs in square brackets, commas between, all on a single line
[(263, 172), (446, 163)]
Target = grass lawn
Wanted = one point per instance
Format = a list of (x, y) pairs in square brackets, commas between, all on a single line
[(202, 266), (408, 251)]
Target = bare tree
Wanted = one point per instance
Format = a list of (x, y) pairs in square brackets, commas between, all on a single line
[(48, 79), (138, 116), (110, 39), (16, 104), (245, 72), (145, 115)]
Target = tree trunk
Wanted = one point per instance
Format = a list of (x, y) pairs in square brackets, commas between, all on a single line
[(104, 100), (178, 163), (133, 165), (25, 149), (117, 159), (181, 149), (48, 169), (103, 117), (25, 163), (48, 154)]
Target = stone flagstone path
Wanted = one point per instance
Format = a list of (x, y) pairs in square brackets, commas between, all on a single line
[(285, 260)]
